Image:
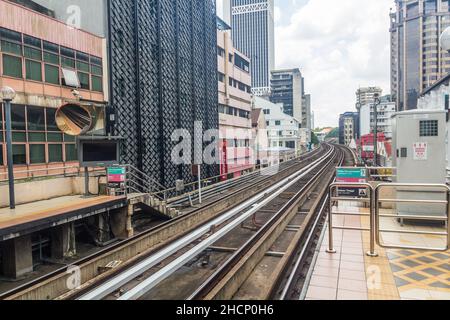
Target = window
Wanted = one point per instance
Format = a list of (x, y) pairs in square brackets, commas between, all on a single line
[(51, 74), (84, 80), (278, 123), (71, 152), (97, 84), (81, 66), (55, 153), (2, 160), (18, 117), (37, 153), (13, 48), (12, 66), (32, 53), (19, 154), (66, 62), (429, 128), (221, 77), (33, 70), (51, 122), (36, 118), (51, 58)]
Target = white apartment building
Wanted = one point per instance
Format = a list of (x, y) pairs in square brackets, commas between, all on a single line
[(367, 118), (283, 131)]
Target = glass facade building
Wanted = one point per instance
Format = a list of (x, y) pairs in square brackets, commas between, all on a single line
[(417, 60), (253, 34)]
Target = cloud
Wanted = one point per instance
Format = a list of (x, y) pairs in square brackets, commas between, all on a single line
[(339, 46)]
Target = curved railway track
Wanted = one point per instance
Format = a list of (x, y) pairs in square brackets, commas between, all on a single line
[(271, 212), (131, 251)]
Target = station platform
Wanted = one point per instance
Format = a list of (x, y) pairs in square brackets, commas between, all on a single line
[(396, 274), (28, 218)]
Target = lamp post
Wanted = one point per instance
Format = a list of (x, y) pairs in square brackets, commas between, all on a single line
[(375, 130), (8, 94)]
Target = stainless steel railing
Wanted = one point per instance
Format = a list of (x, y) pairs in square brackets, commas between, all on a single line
[(442, 189), (335, 198), (375, 202)]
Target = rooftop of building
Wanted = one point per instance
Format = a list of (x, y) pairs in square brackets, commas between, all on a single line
[(294, 70)]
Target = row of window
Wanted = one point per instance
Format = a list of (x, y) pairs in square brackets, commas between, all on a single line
[(238, 61), (235, 83), (238, 143), (34, 59), (36, 137), (232, 111)]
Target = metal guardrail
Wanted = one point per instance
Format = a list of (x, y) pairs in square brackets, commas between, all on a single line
[(32, 173), (374, 200), (444, 189), (334, 197)]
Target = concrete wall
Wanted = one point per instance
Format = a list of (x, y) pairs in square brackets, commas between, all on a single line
[(48, 189)]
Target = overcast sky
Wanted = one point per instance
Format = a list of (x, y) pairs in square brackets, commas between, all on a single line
[(338, 45)]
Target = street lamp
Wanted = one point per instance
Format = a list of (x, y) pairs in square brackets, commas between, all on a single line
[(375, 129), (8, 94)]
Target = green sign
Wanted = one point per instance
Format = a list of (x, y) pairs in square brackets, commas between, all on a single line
[(356, 175), (116, 171)]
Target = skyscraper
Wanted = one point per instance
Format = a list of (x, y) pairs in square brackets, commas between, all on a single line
[(417, 60), (367, 95), (253, 34), (287, 88)]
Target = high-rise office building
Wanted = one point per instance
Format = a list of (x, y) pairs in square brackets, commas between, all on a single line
[(161, 75), (367, 95), (417, 59), (287, 88), (348, 127), (253, 31)]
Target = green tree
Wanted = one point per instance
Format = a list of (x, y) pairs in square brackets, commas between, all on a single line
[(314, 139)]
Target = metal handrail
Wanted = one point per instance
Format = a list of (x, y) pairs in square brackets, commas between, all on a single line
[(333, 197), (146, 176), (443, 189), (65, 169)]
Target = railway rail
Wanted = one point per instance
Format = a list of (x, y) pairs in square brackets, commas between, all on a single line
[(138, 281), (131, 251)]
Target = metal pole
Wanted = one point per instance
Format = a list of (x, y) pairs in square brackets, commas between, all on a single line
[(86, 182), (199, 184), (375, 134), (330, 224), (373, 213), (12, 198)]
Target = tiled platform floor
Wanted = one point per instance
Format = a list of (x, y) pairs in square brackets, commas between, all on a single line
[(350, 274)]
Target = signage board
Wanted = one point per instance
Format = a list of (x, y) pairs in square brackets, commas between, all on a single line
[(351, 175), (116, 175), (420, 151)]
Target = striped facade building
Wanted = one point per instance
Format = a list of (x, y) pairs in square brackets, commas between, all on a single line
[(252, 24)]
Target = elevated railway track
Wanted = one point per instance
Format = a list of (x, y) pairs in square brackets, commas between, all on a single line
[(239, 221)]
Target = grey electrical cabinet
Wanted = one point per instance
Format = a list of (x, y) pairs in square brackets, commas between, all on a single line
[(420, 158)]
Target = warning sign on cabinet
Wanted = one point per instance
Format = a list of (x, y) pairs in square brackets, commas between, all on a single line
[(420, 150)]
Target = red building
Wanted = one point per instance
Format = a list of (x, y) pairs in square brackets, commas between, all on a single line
[(366, 146)]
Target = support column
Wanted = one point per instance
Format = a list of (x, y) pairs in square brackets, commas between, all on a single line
[(121, 225), (63, 241), (103, 233), (17, 257)]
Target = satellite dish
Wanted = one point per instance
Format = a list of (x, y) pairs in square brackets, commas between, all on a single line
[(445, 39)]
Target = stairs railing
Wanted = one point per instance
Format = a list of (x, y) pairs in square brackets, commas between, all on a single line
[(140, 182)]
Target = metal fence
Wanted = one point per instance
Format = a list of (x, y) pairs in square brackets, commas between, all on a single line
[(373, 199)]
